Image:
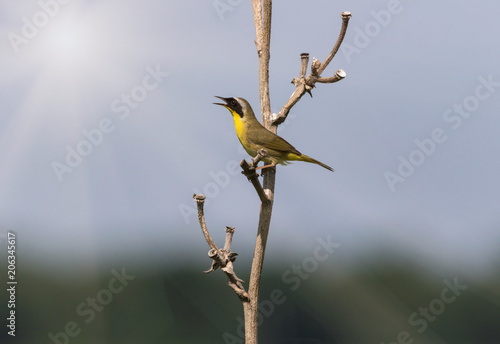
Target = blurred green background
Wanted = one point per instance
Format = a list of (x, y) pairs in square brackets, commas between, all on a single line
[(343, 299)]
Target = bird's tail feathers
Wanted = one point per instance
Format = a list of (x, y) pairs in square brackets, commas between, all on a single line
[(306, 158)]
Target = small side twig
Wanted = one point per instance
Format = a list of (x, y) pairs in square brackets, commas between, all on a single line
[(339, 75), (304, 61), (345, 22), (229, 238), (251, 174), (222, 258), (200, 201), (305, 84)]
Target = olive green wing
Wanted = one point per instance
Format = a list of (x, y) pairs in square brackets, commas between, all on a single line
[(271, 141)]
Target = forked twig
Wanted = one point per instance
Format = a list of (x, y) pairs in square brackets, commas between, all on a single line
[(253, 177), (222, 258), (305, 84)]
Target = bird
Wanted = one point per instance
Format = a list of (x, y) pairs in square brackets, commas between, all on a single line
[(254, 136)]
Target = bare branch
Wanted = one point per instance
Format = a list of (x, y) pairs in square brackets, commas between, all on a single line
[(261, 154), (263, 38), (200, 200), (229, 238), (303, 84), (222, 258), (345, 21), (253, 177), (257, 16), (315, 67), (262, 17), (304, 61), (339, 75)]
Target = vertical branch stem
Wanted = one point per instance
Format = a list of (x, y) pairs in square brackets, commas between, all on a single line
[(257, 17), (262, 16), (262, 11), (265, 101), (223, 258)]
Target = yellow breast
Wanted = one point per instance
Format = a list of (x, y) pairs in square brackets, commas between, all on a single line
[(241, 128)]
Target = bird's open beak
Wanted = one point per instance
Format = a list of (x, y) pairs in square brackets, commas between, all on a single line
[(224, 99)]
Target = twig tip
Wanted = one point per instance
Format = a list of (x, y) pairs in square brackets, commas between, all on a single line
[(346, 14), (199, 197)]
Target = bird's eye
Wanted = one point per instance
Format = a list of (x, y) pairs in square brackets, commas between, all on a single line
[(233, 102)]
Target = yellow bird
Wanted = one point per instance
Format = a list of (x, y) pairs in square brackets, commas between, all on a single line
[(254, 136)]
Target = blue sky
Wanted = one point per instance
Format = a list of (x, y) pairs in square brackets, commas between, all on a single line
[(412, 131)]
